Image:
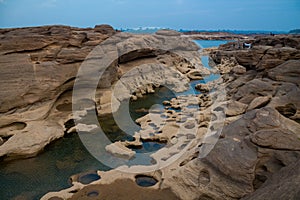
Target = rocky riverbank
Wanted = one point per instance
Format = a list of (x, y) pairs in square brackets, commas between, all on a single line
[(257, 152), (239, 139), (39, 66), (217, 36)]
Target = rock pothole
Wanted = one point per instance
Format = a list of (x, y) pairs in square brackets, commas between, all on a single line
[(64, 107), (287, 110), (145, 181), (86, 178), (93, 193)]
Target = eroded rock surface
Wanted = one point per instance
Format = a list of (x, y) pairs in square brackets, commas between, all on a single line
[(257, 152), (39, 66), (243, 146)]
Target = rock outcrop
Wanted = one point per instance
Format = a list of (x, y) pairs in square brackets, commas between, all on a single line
[(265, 53), (257, 152), (239, 139), (39, 66)]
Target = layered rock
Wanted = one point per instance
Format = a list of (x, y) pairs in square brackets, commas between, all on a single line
[(39, 66), (257, 151), (265, 52), (244, 145)]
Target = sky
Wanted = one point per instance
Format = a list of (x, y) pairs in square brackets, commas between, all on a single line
[(276, 15)]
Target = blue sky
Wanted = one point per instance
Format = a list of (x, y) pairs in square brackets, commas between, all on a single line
[(274, 15)]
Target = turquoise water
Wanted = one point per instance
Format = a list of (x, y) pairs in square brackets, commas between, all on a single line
[(210, 43), (50, 171), (205, 59)]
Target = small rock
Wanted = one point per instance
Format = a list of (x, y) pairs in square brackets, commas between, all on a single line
[(173, 140), (235, 108), (239, 69), (105, 29), (166, 103), (204, 88), (196, 74), (118, 149), (259, 102)]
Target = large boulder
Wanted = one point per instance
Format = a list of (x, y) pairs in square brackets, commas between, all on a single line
[(266, 52), (287, 72), (105, 29)]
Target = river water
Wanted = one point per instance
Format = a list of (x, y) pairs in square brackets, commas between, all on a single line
[(31, 178)]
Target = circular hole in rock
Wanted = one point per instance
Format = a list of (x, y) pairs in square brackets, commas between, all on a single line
[(145, 181), (88, 178), (64, 107), (93, 194)]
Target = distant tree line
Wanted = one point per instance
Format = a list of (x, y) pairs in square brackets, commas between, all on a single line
[(294, 31)]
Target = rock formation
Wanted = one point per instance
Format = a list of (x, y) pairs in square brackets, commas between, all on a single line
[(39, 66), (257, 153), (238, 139)]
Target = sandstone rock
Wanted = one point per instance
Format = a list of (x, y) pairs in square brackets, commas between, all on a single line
[(48, 46), (50, 58), (252, 89), (31, 140), (255, 153), (204, 88), (120, 150), (264, 54), (282, 185), (239, 69), (276, 56), (234, 108), (226, 65), (284, 41), (276, 139), (196, 75), (259, 102), (105, 29), (269, 63), (288, 72)]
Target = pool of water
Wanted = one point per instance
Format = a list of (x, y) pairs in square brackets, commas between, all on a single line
[(33, 177), (150, 147), (211, 43), (145, 181), (161, 94)]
